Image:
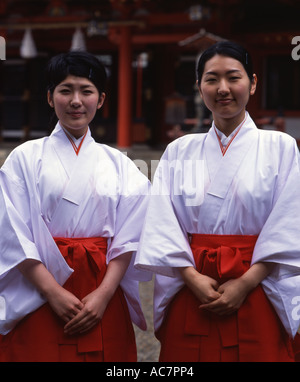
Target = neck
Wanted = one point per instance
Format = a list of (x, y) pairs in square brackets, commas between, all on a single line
[(227, 126), (75, 133)]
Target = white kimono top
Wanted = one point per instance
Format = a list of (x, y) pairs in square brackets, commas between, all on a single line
[(47, 191), (254, 189)]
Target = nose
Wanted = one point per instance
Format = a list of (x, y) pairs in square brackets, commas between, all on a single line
[(223, 87), (75, 101)]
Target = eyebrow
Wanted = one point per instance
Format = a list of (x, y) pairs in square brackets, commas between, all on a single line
[(228, 72), (70, 85)]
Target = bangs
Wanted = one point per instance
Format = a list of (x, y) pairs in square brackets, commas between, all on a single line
[(79, 64)]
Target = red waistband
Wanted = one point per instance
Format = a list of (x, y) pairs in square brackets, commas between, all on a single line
[(214, 241), (84, 252), (90, 240), (222, 257)]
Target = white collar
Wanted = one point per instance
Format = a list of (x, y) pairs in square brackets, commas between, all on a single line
[(223, 138)]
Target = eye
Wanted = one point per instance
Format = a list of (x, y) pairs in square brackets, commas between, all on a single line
[(234, 78), (64, 91), (211, 79)]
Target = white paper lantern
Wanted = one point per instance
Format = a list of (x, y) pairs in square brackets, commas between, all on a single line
[(28, 48)]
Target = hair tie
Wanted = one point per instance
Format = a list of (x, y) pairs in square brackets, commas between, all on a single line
[(90, 74), (246, 58)]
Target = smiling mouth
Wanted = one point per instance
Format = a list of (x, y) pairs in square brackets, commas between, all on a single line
[(75, 114), (224, 101)]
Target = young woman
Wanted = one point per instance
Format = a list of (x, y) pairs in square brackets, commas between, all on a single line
[(221, 230), (70, 216)]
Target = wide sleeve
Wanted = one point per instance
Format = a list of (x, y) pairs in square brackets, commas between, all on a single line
[(164, 244), (23, 236), (134, 189), (279, 240), (16, 240)]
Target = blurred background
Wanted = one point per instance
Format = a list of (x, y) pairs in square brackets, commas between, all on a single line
[(150, 49)]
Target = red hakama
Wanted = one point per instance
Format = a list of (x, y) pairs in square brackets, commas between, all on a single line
[(296, 347), (252, 334), (39, 337)]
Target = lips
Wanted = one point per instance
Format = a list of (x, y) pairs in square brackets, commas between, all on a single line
[(75, 114), (224, 101)]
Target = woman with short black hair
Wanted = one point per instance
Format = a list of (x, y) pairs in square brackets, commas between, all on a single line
[(71, 214)]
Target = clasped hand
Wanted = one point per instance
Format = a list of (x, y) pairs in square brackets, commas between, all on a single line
[(79, 316), (222, 299), (229, 296)]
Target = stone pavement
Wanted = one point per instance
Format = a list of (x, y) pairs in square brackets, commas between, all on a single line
[(147, 345), (146, 159)]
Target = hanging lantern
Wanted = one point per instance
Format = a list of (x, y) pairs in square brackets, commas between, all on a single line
[(28, 48), (78, 41)]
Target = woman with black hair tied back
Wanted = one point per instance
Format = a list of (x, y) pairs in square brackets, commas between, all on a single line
[(222, 229), (71, 215)]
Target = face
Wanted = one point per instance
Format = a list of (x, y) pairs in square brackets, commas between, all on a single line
[(225, 88), (75, 100)]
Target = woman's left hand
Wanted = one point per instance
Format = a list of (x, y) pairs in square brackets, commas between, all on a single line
[(233, 293), (89, 316), (96, 302)]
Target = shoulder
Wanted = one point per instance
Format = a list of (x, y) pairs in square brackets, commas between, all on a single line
[(188, 139), (22, 161), (31, 144), (122, 163), (186, 143), (114, 154), (277, 139), (26, 151), (280, 148), (275, 135)]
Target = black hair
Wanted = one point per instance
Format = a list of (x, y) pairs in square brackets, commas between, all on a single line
[(228, 49), (76, 63)]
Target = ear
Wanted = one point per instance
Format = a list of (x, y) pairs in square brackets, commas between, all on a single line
[(101, 100), (253, 84), (198, 86), (50, 99)]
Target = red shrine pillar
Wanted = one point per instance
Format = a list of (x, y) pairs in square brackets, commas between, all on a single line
[(125, 89)]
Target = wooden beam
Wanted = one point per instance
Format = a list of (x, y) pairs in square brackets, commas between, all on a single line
[(65, 24)]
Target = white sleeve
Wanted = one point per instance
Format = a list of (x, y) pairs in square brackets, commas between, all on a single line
[(16, 239), (130, 211), (164, 244), (24, 235), (279, 241), (130, 214)]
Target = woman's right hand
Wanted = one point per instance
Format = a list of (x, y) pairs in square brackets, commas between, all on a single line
[(64, 303), (203, 287)]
